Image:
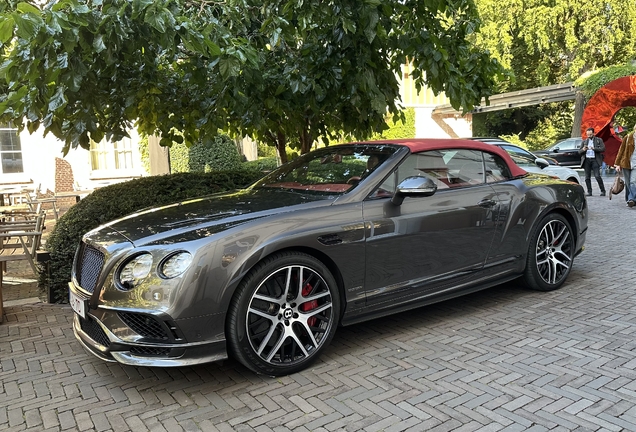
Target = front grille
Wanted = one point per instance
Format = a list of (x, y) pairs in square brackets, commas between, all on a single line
[(150, 351), (94, 331), (89, 266), (144, 325)]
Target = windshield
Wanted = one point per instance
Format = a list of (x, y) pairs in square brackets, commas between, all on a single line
[(328, 171)]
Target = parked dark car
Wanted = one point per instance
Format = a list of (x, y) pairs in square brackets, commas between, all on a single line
[(566, 152), (338, 236)]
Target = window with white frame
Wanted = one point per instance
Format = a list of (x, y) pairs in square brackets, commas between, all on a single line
[(10, 151), (112, 157)]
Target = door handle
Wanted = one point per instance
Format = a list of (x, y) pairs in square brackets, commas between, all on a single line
[(487, 203)]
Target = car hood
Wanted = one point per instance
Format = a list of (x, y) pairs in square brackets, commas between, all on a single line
[(195, 218)]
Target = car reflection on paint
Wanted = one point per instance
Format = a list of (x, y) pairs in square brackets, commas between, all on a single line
[(338, 236)]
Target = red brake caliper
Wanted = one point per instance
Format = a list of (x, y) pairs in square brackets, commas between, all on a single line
[(309, 305)]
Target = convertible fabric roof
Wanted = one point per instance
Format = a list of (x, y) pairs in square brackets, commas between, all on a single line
[(424, 144)]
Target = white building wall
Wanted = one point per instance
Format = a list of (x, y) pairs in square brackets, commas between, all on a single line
[(38, 156), (38, 159)]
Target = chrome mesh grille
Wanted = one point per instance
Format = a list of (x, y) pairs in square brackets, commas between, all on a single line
[(144, 325), (89, 266), (94, 331)]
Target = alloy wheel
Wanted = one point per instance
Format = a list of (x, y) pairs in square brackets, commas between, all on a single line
[(289, 315), (554, 252)]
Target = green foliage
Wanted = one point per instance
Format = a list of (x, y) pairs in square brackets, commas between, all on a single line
[(144, 152), (118, 200), (399, 127), (542, 43), (537, 127), (262, 164), (590, 83), (265, 150), (216, 154), (626, 118), (284, 72), (514, 139)]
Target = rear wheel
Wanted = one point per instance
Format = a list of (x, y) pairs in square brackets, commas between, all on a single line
[(284, 314), (550, 254)]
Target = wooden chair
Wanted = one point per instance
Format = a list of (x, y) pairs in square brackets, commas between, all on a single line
[(32, 198), (20, 238)]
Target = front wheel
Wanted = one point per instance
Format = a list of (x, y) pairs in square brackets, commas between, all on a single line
[(283, 314), (550, 254)]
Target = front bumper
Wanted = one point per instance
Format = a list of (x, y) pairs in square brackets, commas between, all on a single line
[(138, 338)]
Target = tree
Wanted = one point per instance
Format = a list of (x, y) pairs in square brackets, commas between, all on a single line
[(285, 72), (542, 43)]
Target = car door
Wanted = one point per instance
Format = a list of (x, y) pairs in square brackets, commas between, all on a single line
[(428, 244), (568, 153)]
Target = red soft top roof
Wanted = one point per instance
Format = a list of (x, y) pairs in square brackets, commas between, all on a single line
[(423, 144)]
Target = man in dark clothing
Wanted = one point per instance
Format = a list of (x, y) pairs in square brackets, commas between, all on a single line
[(591, 151)]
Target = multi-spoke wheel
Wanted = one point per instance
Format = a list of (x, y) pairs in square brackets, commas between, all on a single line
[(550, 254), (283, 314)]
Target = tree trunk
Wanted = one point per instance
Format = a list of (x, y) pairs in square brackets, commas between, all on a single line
[(579, 107), (306, 140), (281, 146)]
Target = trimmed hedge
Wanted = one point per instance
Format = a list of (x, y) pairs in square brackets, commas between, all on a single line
[(118, 200), (262, 164)]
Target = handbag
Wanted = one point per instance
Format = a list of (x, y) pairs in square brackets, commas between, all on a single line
[(617, 187)]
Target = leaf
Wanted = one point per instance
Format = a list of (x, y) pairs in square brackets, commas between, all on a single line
[(159, 19), (98, 43), (27, 25), (155, 19), (139, 6), (6, 29), (229, 67), (213, 48), (58, 100), (28, 8)]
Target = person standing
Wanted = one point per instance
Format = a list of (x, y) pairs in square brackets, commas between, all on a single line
[(626, 162), (591, 151)]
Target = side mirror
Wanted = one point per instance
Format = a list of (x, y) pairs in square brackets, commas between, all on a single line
[(556, 150), (541, 163), (414, 187)]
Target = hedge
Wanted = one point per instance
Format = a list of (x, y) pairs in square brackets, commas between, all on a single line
[(590, 83), (115, 201)]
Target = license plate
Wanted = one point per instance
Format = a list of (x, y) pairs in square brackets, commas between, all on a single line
[(77, 304)]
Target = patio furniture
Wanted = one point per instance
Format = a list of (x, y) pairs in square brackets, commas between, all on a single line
[(20, 238)]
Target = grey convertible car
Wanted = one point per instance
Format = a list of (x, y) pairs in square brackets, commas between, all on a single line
[(337, 236)]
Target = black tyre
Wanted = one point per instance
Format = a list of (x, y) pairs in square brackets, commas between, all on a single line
[(283, 315), (550, 254)]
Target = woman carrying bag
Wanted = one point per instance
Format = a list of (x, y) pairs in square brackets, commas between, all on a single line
[(626, 162)]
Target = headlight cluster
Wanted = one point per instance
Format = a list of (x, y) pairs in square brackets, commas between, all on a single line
[(137, 269)]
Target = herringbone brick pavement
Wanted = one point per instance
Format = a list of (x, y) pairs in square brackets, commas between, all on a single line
[(502, 359)]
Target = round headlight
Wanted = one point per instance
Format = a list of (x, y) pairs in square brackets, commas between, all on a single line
[(176, 264), (135, 271)]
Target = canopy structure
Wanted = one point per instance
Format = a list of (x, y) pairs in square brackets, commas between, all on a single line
[(602, 107)]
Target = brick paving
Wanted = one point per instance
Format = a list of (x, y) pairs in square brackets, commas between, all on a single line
[(502, 359)]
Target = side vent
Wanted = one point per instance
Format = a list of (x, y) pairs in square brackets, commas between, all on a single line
[(330, 239)]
